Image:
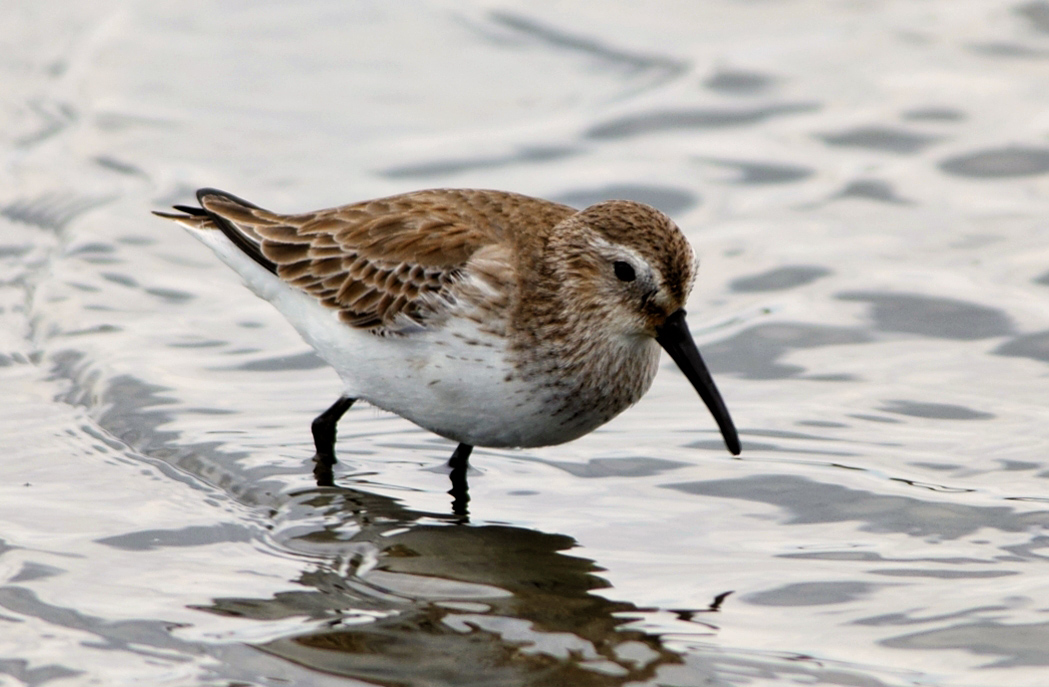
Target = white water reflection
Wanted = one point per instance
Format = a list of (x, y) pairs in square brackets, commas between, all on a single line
[(866, 187)]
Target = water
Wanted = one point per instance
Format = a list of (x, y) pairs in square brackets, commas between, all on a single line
[(866, 184)]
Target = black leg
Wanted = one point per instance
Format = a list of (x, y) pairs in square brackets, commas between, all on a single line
[(324, 439), (461, 456), (460, 491)]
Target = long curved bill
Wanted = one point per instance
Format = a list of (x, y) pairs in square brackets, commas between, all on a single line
[(676, 339)]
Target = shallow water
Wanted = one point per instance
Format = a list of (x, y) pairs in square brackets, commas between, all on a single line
[(866, 184)]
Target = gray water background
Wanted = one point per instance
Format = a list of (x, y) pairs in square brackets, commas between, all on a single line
[(866, 183)]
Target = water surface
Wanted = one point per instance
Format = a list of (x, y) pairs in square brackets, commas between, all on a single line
[(866, 186)]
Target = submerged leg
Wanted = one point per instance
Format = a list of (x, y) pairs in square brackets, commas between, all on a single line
[(460, 491), (324, 439)]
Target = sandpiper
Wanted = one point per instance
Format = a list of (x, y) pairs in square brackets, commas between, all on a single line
[(490, 318)]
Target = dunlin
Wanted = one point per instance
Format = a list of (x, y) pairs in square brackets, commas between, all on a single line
[(490, 318)]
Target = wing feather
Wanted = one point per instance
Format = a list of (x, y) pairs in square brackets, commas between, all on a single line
[(388, 263)]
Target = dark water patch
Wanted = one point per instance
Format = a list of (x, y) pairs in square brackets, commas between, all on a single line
[(999, 163), (20, 670), (806, 501), (833, 378), (92, 248), (617, 467), (118, 166), (934, 114), (148, 540), (526, 155), (944, 574), (197, 410), (821, 423), (204, 343), (754, 353), (672, 201), (780, 278), (696, 118), (1009, 50), (1034, 346), (1043, 279), (14, 251), (759, 173), (872, 557), (1018, 465), (121, 279), (935, 411), (35, 571), (52, 210), (716, 443), (811, 594), (150, 638), (784, 434), (911, 618), (303, 361), (739, 82), (940, 318), (136, 240), (881, 138), (1037, 13), (943, 467), (871, 189), (876, 418), (591, 47), (1020, 644), (1029, 550), (170, 295)]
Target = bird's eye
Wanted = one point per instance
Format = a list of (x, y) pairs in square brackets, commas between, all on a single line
[(624, 271)]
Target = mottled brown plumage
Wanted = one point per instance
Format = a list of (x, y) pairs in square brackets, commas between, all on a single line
[(509, 320), (376, 260)]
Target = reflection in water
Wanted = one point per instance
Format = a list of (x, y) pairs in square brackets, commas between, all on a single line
[(671, 200), (935, 411), (780, 278), (1037, 13), (881, 138), (1014, 161), (1021, 644), (661, 67), (739, 82), (405, 597), (437, 168), (696, 118), (871, 189), (941, 318), (756, 173), (754, 353), (809, 501), (1034, 346)]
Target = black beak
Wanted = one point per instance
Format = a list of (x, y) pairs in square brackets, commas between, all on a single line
[(676, 339)]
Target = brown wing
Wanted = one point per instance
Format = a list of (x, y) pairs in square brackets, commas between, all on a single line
[(379, 260)]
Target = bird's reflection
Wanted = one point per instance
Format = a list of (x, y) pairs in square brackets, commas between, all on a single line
[(405, 597)]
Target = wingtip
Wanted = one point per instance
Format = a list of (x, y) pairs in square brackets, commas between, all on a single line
[(208, 191)]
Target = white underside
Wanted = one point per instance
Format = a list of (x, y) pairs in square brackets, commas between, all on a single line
[(429, 376)]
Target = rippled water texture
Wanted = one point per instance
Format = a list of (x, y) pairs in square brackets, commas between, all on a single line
[(867, 184)]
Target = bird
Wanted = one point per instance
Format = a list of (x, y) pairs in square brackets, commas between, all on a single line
[(489, 318)]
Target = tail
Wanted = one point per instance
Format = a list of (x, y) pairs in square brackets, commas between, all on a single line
[(227, 213)]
